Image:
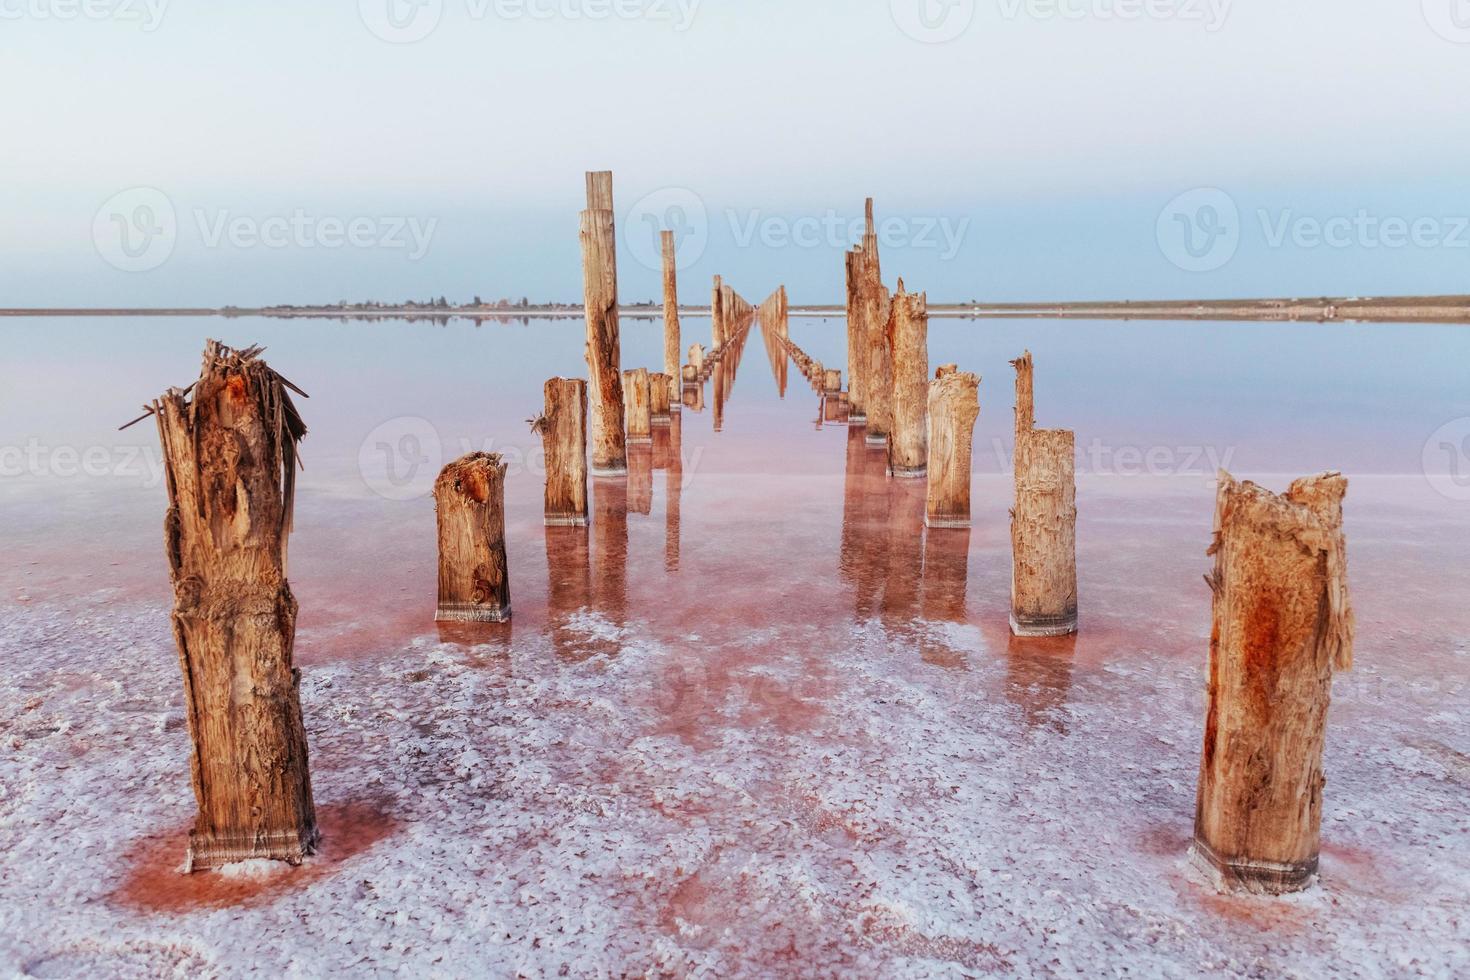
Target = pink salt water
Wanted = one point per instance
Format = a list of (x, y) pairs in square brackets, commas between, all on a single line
[(771, 724)]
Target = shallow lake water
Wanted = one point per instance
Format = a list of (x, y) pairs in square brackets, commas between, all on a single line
[(755, 719)]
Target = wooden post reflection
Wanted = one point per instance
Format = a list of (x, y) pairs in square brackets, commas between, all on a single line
[(1039, 679), (864, 560), (610, 548), (668, 452), (569, 588), (640, 479), (905, 548)]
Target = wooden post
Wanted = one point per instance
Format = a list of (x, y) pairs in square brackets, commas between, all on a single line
[(857, 350), (1044, 521), (832, 381), (563, 430), (604, 349), (696, 358), (230, 462), (636, 394), (474, 580), (659, 386), (876, 312), (671, 315), (1282, 622), (908, 449), (954, 405), (717, 315)]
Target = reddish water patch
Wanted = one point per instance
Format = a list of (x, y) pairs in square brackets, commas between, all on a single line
[(153, 882)]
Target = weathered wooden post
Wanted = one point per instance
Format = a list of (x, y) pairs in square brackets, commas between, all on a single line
[(1044, 521), (604, 348), (696, 358), (908, 449), (954, 405), (659, 386), (1282, 622), (857, 348), (474, 579), (230, 463), (832, 380), (636, 397), (671, 314), (717, 315), (563, 430)]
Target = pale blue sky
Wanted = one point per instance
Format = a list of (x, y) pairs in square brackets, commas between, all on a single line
[(1030, 157)]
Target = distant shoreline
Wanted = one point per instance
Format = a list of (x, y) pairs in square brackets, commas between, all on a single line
[(1397, 309)]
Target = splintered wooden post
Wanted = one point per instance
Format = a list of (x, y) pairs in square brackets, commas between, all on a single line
[(671, 311), (954, 405), (832, 381), (604, 349), (659, 386), (696, 358), (474, 581), (230, 462), (1282, 621), (563, 431), (908, 448), (637, 398), (1044, 521)]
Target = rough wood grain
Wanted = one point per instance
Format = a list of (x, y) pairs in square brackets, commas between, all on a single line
[(1282, 621), (230, 461), (474, 580), (638, 401), (659, 406), (954, 405), (717, 315), (1043, 522), (672, 344), (908, 448), (563, 430), (604, 348)]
